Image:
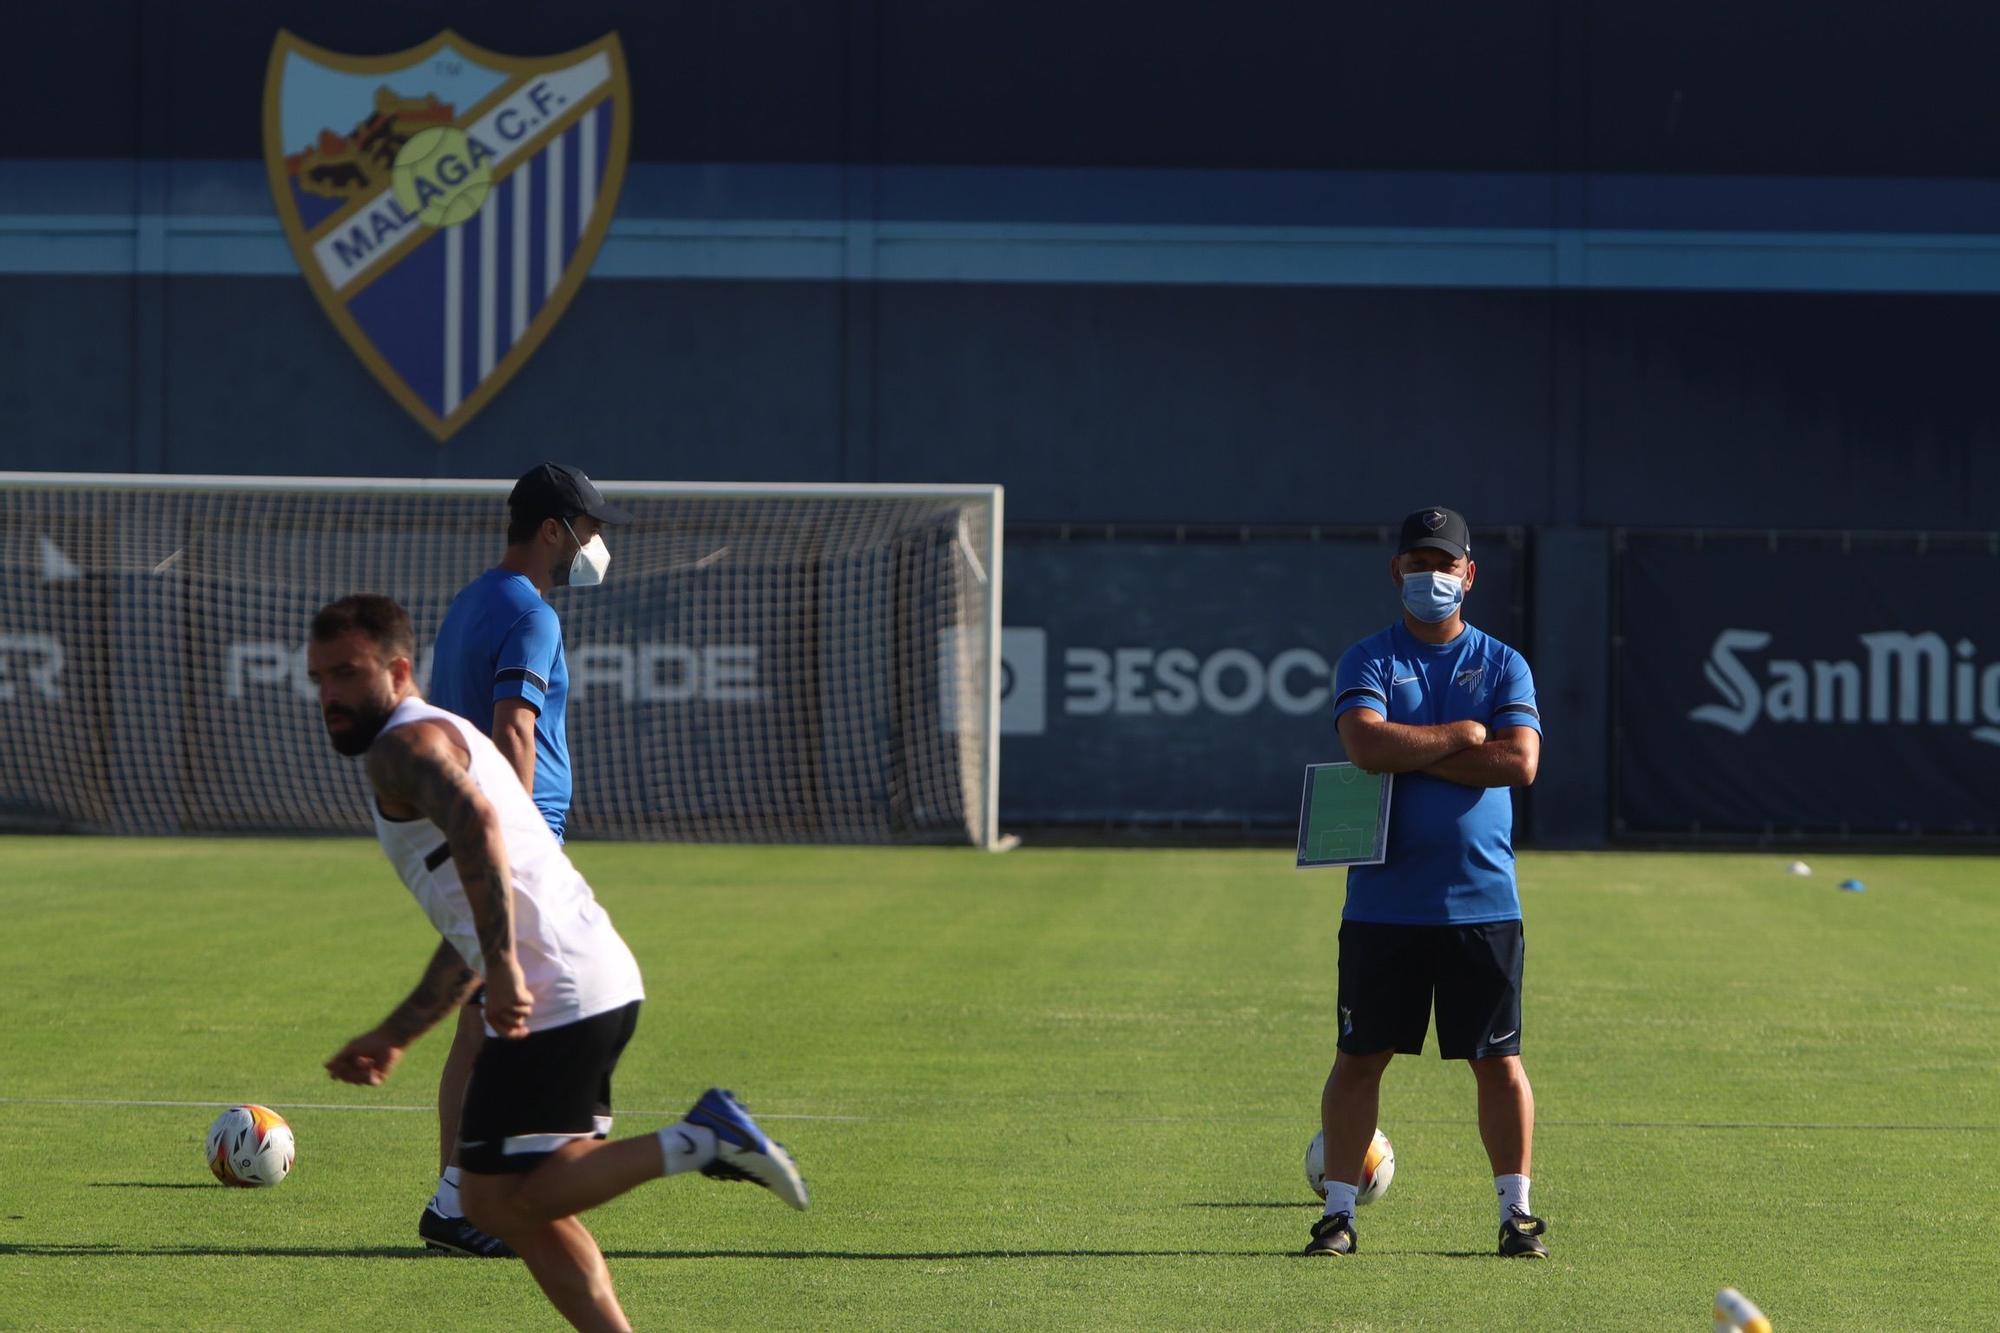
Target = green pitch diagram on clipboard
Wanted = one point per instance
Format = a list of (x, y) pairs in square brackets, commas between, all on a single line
[(1344, 817)]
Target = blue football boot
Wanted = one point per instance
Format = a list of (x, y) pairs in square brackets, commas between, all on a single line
[(743, 1151)]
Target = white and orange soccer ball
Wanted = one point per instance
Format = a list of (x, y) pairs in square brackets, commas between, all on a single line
[(1378, 1168), (250, 1146), (1736, 1313)]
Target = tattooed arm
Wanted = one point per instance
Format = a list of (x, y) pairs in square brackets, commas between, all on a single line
[(369, 1057), (422, 770), (445, 985)]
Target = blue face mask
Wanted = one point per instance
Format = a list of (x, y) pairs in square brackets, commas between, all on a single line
[(1432, 598)]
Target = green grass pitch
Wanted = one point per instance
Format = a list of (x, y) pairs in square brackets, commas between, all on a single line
[(1047, 1089)]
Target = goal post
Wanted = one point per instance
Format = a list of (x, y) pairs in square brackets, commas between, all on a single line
[(778, 662)]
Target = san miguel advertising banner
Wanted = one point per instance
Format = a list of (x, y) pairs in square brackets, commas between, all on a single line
[(1808, 685), (1190, 683)]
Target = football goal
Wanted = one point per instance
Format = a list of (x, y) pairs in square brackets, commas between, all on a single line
[(764, 663)]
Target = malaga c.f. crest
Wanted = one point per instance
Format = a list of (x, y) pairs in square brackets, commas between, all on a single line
[(445, 202)]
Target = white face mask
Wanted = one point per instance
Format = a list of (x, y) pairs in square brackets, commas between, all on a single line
[(586, 569)]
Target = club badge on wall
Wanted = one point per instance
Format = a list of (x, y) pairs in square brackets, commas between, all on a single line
[(445, 202)]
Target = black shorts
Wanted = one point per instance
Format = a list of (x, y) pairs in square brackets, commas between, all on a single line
[(530, 1096), (1390, 973)]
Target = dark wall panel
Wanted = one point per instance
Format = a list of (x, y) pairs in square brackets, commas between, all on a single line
[(55, 53), (1219, 405), (1847, 88), (1843, 88), (66, 392), (1766, 410), (694, 381), (1092, 404), (1289, 84), (760, 82)]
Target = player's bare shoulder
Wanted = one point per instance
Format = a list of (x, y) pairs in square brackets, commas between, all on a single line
[(408, 765)]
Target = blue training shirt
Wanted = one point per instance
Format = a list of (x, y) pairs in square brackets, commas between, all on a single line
[(1451, 847), (500, 640)]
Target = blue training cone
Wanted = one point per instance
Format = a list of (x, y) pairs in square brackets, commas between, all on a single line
[(1853, 886)]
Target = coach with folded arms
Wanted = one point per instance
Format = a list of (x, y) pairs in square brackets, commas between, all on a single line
[(1450, 711)]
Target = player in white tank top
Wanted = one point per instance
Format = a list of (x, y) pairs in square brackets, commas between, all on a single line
[(562, 990), (574, 964)]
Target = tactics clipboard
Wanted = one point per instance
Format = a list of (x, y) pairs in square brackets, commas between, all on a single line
[(1344, 816)]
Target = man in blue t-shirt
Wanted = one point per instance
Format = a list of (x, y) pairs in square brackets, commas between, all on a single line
[(499, 663), (1451, 712)]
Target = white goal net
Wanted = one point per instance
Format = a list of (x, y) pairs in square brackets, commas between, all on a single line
[(776, 663)]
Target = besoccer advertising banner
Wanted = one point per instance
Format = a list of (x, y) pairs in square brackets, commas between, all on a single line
[(1190, 682), (1805, 685)]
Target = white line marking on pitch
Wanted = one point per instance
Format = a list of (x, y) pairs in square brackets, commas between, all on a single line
[(349, 1106), (1122, 1120)]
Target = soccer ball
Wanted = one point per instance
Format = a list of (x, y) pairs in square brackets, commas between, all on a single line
[(1735, 1313), (250, 1146), (1378, 1168)]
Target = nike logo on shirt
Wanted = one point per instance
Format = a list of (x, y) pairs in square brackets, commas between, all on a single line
[(1404, 680)]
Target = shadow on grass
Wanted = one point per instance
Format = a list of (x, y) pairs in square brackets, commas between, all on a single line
[(938, 1256), (105, 1249), (1256, 1203), (156, 1185)]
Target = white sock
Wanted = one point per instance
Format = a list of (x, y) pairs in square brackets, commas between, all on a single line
[(1513, 1195), (685, 1147), (445, 1202), (1340, 1197)]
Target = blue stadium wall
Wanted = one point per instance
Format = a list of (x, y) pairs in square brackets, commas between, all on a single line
[(1214, 294)]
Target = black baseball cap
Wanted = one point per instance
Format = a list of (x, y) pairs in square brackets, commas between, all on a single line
[(557, 490), (1437, 528)]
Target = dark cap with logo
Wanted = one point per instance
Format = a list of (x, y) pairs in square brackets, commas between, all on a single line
[(1437, 528), (557, 490)]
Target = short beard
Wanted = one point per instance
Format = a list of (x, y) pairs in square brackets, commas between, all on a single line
[(360, 735)]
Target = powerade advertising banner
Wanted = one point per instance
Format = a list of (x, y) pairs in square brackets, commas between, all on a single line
[(1808, 685), (1190, 682), (761, 668)]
